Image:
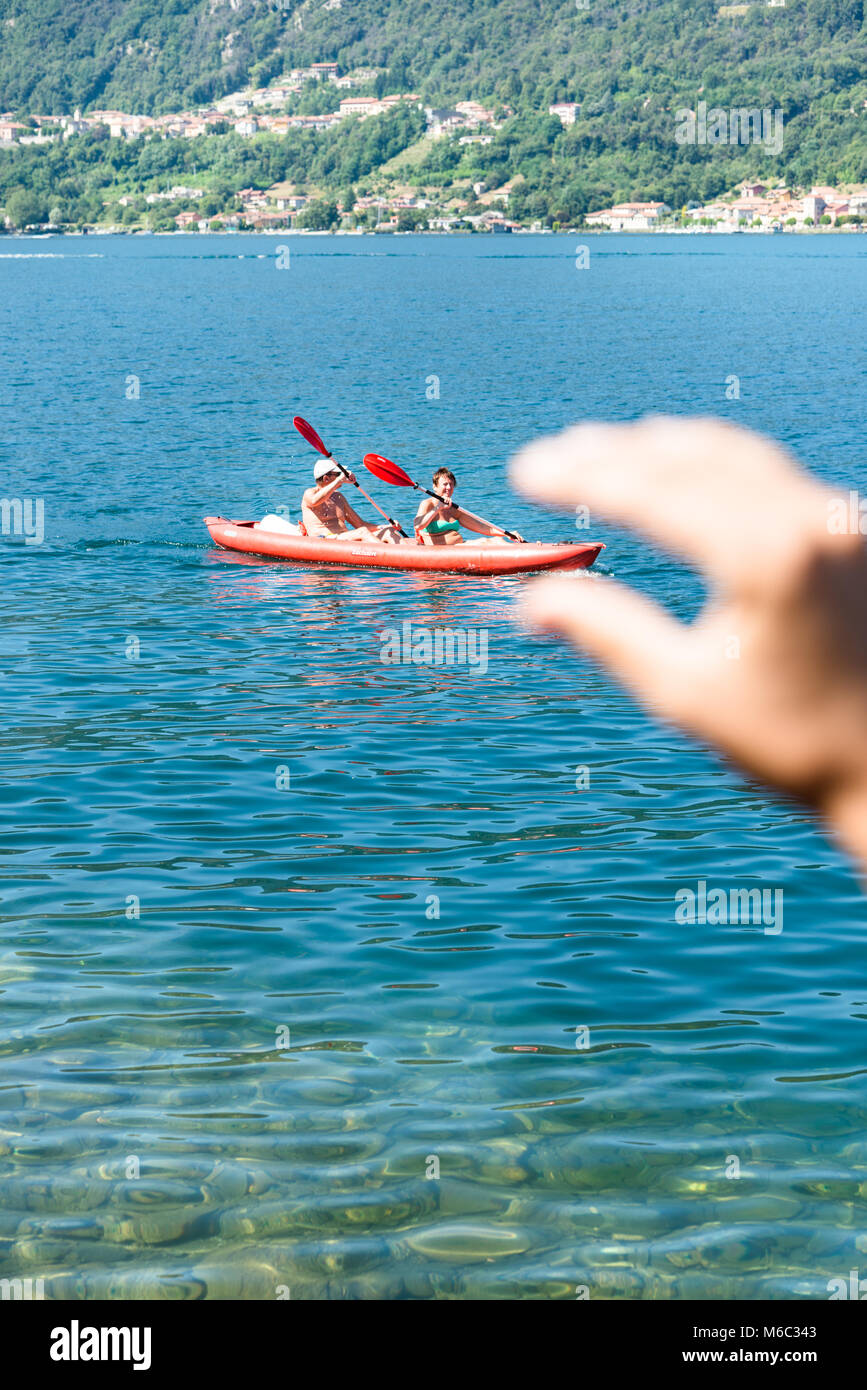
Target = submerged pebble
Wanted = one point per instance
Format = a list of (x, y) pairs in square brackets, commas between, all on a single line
[(464, 1241)]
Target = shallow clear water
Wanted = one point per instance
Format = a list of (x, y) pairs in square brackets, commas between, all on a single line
[(431, 907)]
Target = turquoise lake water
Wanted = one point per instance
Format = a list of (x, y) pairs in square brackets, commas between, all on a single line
[(286, 930)]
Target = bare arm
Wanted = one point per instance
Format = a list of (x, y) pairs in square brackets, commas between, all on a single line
[(774, 669), (482, 528), (427, 512), (315, 495), (349, 513)]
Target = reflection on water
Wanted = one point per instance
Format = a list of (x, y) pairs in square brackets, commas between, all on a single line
[(323, 971)]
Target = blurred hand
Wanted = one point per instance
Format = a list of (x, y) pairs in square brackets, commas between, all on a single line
[(774, 670)]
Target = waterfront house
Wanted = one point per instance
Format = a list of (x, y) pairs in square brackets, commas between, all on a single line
[(712, 212), (495, 220), (630, 217), (746, 211), (263, 220), (814, 206)]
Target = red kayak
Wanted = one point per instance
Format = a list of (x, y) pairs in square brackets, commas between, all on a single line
[(451, 559)]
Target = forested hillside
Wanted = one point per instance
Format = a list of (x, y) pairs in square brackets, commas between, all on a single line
[(630, 65), (158, 55)]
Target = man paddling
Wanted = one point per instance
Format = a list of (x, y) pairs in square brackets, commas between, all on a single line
[(439, 523), (328, 516)]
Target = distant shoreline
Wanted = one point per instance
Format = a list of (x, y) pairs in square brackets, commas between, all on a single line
[(454, 232)]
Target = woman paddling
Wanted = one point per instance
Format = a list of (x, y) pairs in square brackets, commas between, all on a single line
[(439, 523)]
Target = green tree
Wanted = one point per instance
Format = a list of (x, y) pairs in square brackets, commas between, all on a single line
[(25, 209), (411, 220), (318, 216)]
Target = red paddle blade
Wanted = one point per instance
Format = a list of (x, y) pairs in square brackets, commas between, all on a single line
[(310, 435), (389, 472)]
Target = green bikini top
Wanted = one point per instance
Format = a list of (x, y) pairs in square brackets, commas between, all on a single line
[(440, 525)]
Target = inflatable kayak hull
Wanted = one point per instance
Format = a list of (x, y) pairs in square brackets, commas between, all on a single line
[(448, 559)]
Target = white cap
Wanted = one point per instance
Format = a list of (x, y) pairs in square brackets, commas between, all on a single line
[(323, 467)]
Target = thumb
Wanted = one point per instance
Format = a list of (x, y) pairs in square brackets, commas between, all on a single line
[(641, 644)]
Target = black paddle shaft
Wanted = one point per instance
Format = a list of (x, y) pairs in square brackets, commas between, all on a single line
[(345, 471)]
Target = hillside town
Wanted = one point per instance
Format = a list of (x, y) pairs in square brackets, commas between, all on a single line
[(247, 113), (754, 207)]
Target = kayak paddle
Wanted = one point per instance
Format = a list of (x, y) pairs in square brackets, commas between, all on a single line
[(313, 438), (389, 472)]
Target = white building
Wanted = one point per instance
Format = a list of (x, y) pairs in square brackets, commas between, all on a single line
[(10, 131), (442, 119), (629, 217), (361, 106), (814, 206)]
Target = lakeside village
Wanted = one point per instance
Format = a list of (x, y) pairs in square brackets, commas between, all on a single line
[(756, 207)]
